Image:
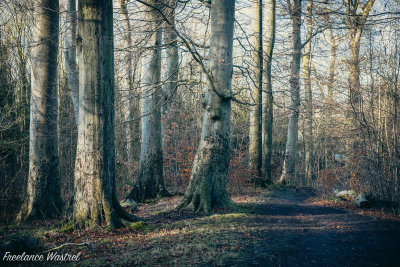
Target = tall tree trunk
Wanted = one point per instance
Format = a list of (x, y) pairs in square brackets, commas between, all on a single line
[(268, 100), (288, 171), (355, 25), (43, 191), (70, 54), (150, 181), (332, 64), (95, 201), (255, 133), (126, 89), (308, 133), (207, 187), (172, 62)]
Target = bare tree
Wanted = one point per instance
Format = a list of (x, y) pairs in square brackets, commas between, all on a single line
[(268, 100), (207, 187), (127, 83), (308, 104), (255, 133), (172, 62), (43, 191), (150, 180), (95, 200), (70, 54), (289, 164)]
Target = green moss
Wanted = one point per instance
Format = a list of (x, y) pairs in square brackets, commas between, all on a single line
[(68, 229), (138, 226)]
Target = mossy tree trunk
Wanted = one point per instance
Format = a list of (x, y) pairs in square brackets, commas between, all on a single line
[(207, 187), (150, 181), (95, 201), (43, 198), (268, 98)]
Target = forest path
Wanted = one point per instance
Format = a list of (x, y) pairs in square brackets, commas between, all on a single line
[(292, 231), (280, 227)]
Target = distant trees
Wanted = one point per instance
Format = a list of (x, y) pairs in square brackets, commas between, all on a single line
[(43, 199), (268, 99), (255, 131), (308, 105), (289, 163), (150, 181)]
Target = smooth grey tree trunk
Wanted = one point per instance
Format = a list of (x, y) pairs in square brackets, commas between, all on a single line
[(289, 164), (207, 187), (172, 65), (268, 100), (255, 130), (150, 181), (308, 104), (95, 201), (70, 53), (332, 63), (126, 89), (43, 198)]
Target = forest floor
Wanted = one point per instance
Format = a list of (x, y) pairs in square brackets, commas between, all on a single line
[(281, 227)]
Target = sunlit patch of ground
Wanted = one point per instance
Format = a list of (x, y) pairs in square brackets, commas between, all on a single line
[(285, 226)]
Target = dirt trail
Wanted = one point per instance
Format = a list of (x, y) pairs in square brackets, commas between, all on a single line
[(276, 228), (298, 233)]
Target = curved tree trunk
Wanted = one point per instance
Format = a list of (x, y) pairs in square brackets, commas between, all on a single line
[(308, 133), (95, 201), (288, 171), (43, 198), (268, 98), (150, 180), (255, 133), (207, 187), (70, 54)]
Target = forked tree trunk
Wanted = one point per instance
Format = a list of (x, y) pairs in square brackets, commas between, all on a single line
[(172, 64), (268, 99), (288, 171), (308, 133), (255, 133), (150, 180), (70, 54), (95, 201), (355, 24), (43, 198), (207, 187)]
